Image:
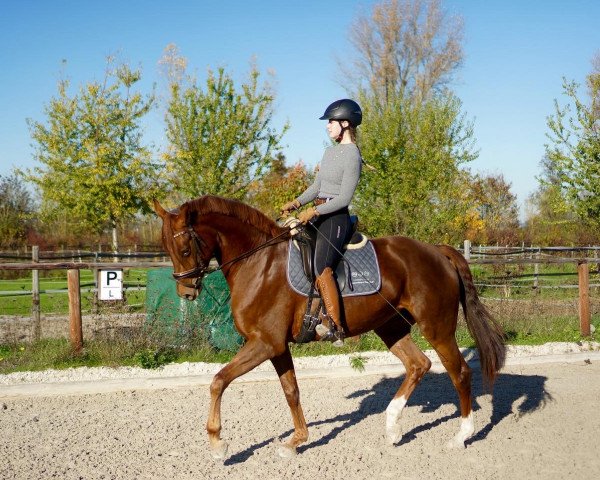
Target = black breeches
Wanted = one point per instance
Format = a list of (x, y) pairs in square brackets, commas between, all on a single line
[(333, 231)]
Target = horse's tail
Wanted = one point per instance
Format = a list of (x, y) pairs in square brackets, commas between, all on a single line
[(487, 333)]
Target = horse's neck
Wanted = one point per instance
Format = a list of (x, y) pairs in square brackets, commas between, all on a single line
[(236, 237)]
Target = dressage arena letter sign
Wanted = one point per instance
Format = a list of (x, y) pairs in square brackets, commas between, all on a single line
[(111, 284)]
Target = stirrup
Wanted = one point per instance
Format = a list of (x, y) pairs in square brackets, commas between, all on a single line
[(325, 326), (322, 330), (330, 335)]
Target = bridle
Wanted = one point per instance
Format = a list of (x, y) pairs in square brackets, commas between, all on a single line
[(201, 267)]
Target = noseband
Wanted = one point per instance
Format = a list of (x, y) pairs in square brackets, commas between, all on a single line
[(200, 269)]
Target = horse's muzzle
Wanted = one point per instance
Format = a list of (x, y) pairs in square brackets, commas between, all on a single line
[(189, 291)]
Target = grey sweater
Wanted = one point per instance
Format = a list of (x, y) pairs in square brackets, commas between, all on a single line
[(336, 179)]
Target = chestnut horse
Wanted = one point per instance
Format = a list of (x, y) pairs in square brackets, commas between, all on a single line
[(421, 283)]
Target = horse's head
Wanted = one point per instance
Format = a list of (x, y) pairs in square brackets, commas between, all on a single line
[(189, 252)]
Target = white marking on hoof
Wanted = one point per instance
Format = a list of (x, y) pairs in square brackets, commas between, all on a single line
[(393, 413), (467, 427), (219, 450), (286, 451)]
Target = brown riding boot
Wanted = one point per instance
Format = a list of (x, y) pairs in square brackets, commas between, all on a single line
[(329, 293)]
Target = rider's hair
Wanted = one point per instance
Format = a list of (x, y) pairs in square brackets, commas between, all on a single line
[(352, 131)]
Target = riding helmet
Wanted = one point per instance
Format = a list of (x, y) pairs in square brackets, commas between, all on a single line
[(344, 109)]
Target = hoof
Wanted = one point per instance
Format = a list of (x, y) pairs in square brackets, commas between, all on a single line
[(286, 451), (219, 450), (393, 435), (466, 430)]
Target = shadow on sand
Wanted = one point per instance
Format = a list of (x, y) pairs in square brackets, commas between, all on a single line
[(435, 391)]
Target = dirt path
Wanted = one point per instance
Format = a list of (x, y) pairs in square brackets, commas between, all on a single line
[(543, 422)]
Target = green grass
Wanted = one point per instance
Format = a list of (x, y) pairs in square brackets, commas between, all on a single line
[(152, 352), (518, 280), (528, 323), (143, 352), (514, 279), (20, 303)]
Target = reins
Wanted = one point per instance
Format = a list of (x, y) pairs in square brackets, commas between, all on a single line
[(202, 268), (249, 253)]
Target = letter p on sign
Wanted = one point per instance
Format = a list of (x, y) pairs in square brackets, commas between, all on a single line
[(111, 284)]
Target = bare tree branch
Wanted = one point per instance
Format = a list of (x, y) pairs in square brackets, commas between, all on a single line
[(405, 46)]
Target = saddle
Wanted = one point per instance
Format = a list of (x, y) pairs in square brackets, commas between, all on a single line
[(306, 240), (357, 274)]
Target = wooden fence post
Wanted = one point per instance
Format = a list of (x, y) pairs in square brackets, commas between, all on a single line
[(75, 326), (536, 278), (583, 270), (35, 292)]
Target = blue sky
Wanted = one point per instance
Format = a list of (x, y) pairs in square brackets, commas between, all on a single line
[(516, 54)]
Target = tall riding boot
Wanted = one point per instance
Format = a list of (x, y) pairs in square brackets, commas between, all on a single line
[(329, 293)]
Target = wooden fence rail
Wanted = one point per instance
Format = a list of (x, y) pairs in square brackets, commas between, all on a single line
[(74, 289)]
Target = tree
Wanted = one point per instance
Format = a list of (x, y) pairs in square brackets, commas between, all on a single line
[(413, 130), (16, 209), (497, 208), (406, 47), (279, 186), (416, 188), (574, 148), (220, 137), (550, 219), (95, 167)]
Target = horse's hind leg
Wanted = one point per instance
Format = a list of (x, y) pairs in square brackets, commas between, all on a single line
[(460, 374), (397, 338), (285, 369), (252, 354)]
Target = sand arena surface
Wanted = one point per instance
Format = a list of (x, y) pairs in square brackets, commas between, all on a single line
[(542, 422)]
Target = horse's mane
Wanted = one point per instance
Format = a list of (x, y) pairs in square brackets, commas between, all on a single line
[(234, 208)]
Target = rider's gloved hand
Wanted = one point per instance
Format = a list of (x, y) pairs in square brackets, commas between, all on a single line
[(288, 207), (307, 215)]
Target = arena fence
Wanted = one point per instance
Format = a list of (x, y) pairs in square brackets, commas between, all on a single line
[(499, 257)]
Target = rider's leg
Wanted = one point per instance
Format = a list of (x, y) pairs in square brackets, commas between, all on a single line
[(333, 230), (329, 293)]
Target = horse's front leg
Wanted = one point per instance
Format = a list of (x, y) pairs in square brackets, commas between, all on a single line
[(285, 369), (252, 354)]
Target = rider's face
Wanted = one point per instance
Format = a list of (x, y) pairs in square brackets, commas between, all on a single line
[(334, 128)]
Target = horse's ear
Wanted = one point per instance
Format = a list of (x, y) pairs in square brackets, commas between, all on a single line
[(158, 208), (183, 212)]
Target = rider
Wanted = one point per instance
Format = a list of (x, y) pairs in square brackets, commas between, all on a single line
[(332, 192)]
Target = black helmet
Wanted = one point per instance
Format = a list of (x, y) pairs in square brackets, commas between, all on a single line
[(344, 109)]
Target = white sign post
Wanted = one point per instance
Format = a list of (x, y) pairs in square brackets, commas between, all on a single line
[(111, 284)]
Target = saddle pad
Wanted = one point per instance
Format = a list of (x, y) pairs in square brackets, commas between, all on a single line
[(360, 264)]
